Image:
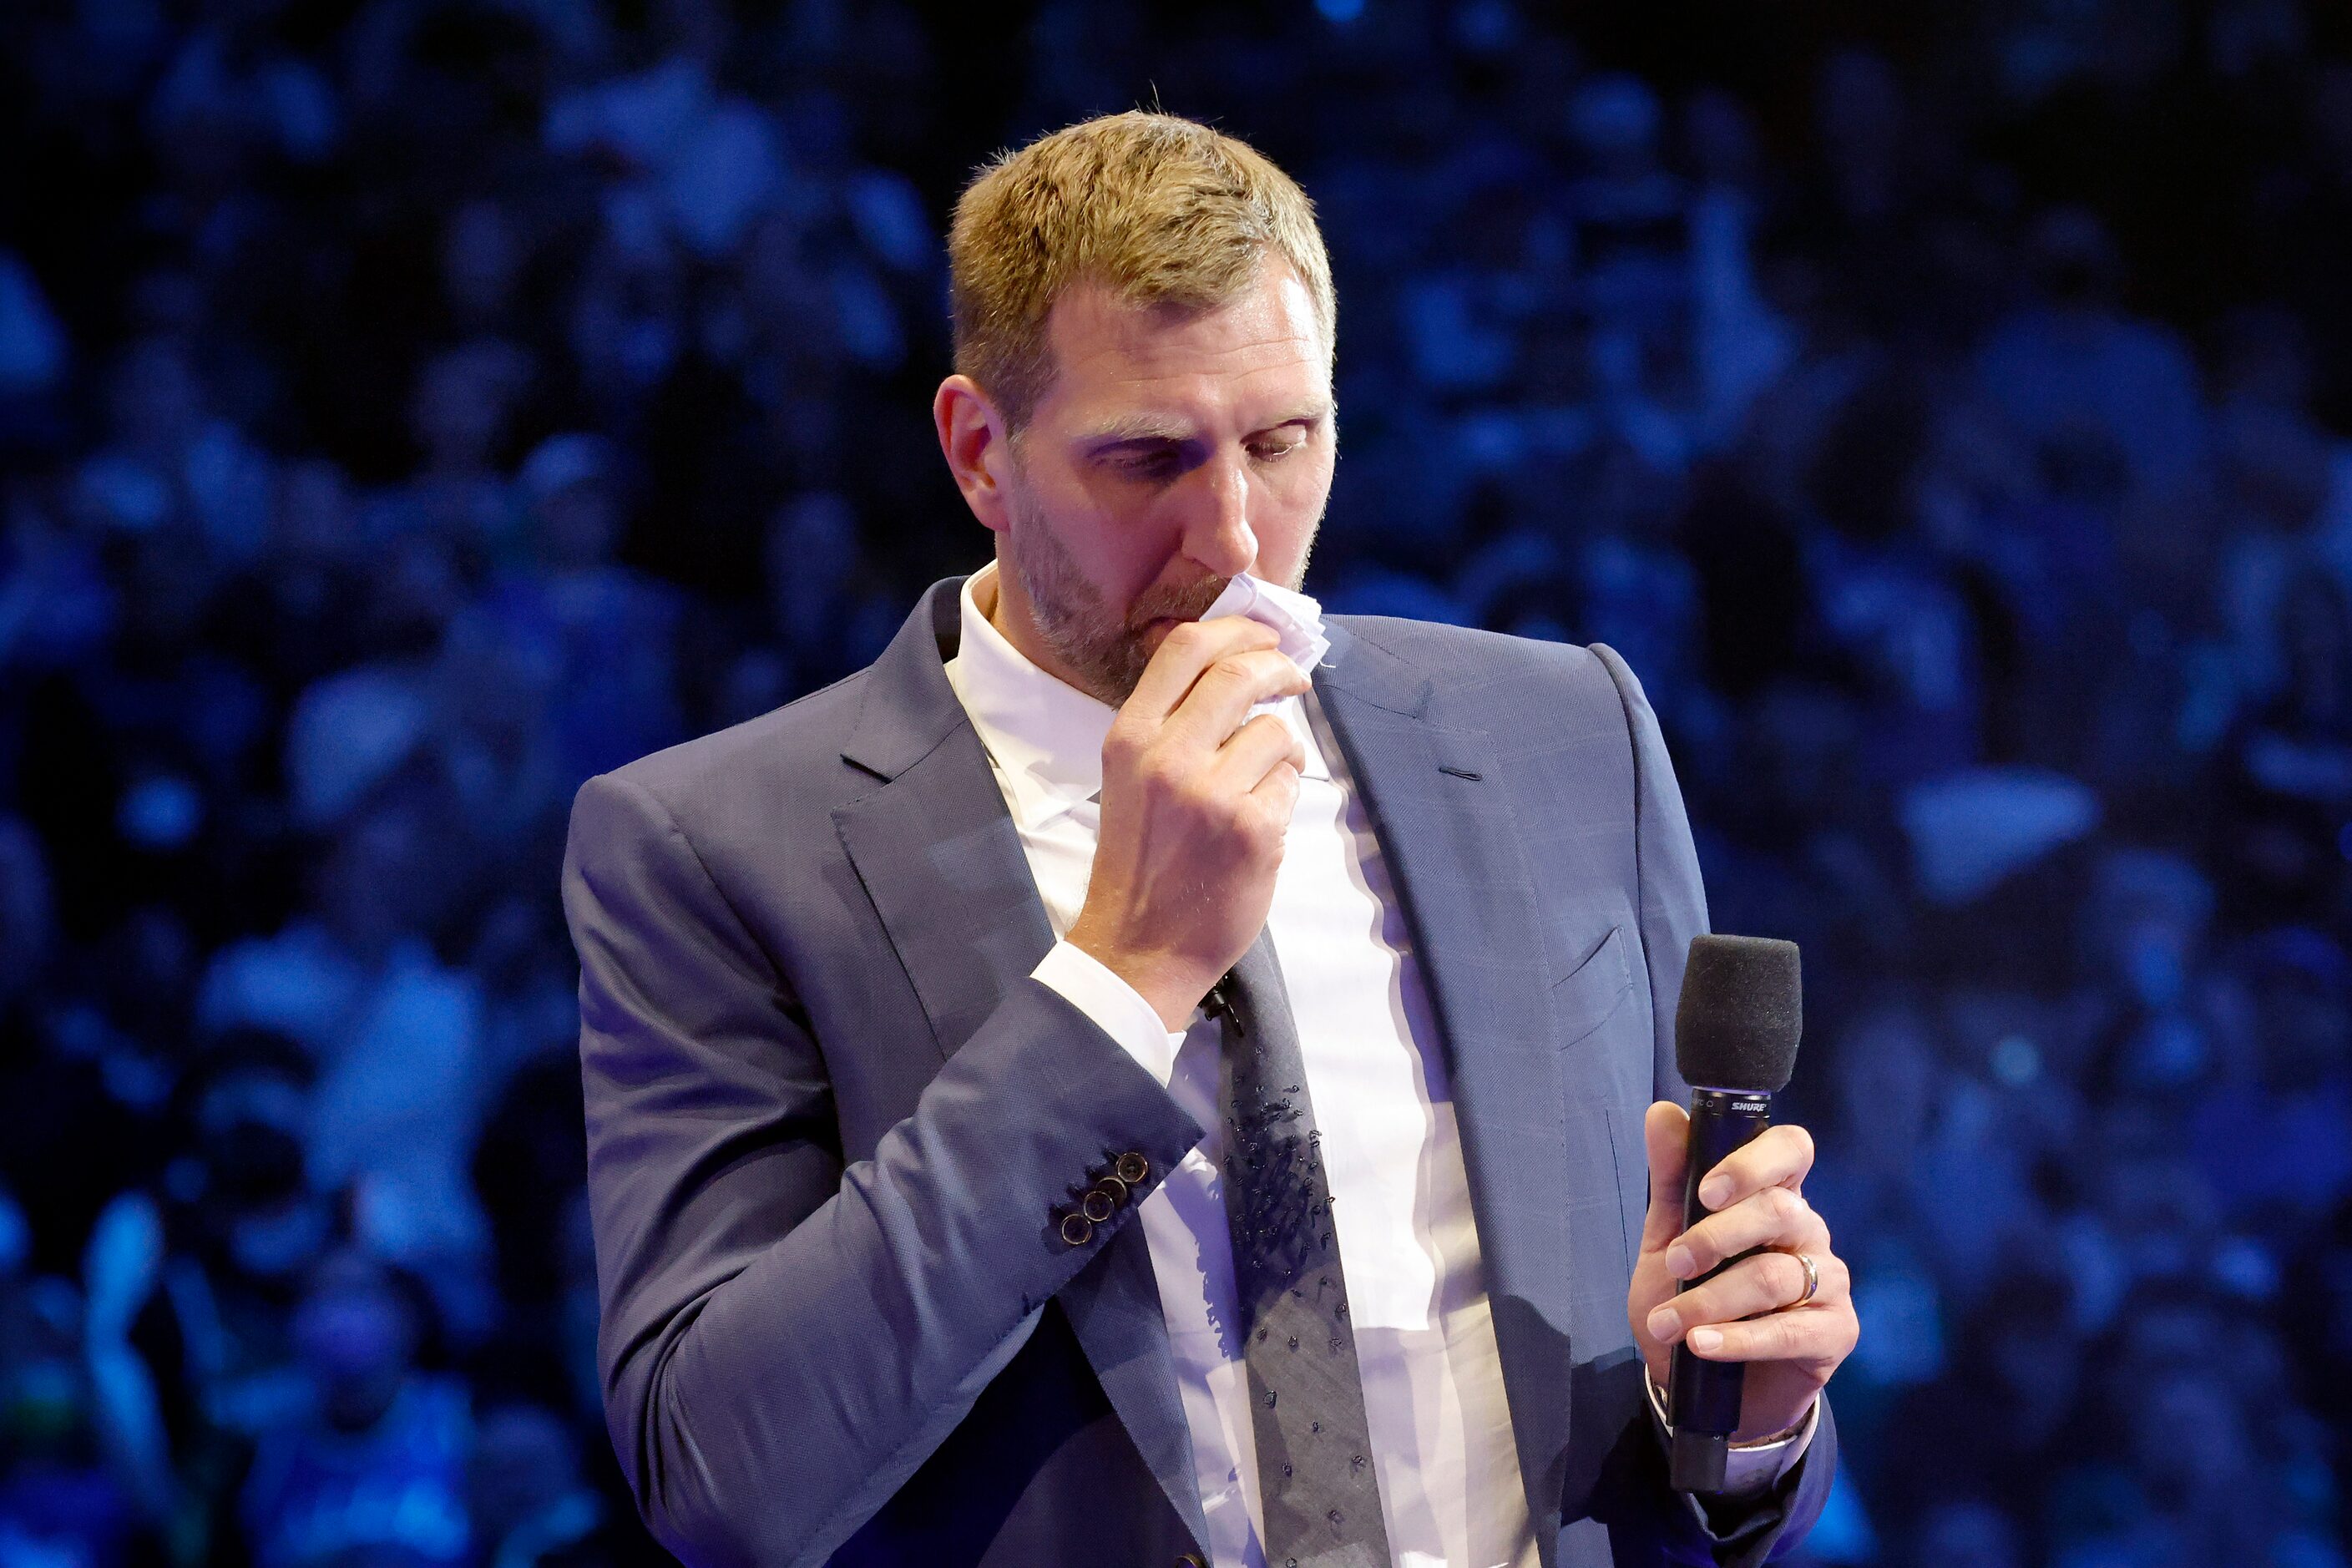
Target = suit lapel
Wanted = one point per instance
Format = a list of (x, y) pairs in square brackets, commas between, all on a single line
[(1438, 806), (940, 857)]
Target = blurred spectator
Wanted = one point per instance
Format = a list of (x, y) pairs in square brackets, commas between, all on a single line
[(246, 1225), (2072, 365), (608, 631), (375, 1468), (2000, 1418), (529, 1505)]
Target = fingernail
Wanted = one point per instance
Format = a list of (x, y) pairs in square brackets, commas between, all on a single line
[(1679, 1261), (1663, 1323), (1706, 1339), (1714, 1190)]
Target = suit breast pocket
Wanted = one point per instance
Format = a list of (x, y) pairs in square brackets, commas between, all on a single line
[(1605, 1062), (1589, 995)]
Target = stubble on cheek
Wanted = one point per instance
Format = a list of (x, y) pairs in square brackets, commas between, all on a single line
[(1105, 650)]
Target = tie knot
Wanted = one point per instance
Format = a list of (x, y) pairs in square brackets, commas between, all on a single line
[(1222, 1002)]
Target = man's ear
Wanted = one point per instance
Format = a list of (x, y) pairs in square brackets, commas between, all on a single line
[(973, 439)]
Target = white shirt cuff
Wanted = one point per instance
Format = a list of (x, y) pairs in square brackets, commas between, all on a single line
[(1113, 1005), (1749, 1472)]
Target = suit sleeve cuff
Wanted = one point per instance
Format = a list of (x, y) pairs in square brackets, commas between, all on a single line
[(1112, 1005), (1753, 1470)]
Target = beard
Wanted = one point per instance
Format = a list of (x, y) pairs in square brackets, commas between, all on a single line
[(1102, 648)]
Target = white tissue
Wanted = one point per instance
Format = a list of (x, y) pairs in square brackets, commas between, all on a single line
[(1295, 617), (1296, 620)]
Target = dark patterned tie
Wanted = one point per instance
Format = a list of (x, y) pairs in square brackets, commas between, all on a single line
[(1316, 1476)]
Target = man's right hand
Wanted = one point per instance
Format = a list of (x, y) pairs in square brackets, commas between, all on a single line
[(1195, 803)]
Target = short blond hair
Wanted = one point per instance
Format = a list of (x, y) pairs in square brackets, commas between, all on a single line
[(1158, 209)]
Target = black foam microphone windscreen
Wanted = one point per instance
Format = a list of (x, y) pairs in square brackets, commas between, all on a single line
[(1741, 1014)]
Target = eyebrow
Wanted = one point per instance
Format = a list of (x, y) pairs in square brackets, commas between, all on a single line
[(1137, 427), (1134, 430)]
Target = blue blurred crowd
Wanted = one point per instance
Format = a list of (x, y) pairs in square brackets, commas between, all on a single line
[(409, 407)]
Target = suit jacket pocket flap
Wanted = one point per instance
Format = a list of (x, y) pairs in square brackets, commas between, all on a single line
[(1584, 999)]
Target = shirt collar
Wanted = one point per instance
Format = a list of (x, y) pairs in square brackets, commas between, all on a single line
[(1045, 735)]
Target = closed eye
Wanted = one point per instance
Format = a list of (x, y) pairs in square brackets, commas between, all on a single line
[(1159, 459), (1149, 459)]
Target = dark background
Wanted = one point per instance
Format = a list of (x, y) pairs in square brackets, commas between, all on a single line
[(408, 407)]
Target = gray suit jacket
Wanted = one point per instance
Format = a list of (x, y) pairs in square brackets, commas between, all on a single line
[(831, 1118)]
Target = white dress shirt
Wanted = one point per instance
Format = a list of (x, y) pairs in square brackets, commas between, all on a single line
[(1433, 1401)]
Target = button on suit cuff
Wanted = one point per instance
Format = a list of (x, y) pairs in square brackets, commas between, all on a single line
[(1112, 1005), (1747, 1471)]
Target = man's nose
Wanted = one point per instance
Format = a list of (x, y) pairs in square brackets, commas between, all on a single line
[(1217, 531)]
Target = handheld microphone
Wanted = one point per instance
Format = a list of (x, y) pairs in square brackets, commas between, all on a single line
[(1736, 1034)]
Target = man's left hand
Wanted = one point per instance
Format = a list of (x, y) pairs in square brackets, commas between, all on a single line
[(1754, 1312)]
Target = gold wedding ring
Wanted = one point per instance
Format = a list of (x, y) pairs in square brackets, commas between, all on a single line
[(1812, 1279)]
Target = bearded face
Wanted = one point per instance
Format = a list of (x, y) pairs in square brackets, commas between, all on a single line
[(1172, 451), (1102, 647)]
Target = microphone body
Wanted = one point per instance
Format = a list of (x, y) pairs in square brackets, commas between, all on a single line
[(1736, 1031), (1703, 1396)]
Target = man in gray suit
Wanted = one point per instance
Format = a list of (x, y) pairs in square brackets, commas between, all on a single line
[(1115, 1084)]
